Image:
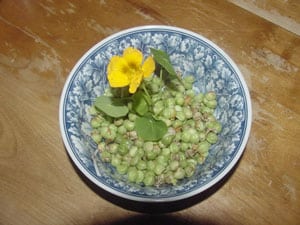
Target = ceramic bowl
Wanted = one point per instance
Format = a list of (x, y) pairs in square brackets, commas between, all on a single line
[(190, 54)]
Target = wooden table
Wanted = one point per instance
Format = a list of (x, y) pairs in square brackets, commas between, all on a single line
[(40, 41)]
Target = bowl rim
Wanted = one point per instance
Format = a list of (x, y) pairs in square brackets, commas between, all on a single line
[(208, 185)]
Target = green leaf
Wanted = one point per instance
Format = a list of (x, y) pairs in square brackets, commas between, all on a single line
[(113, 107), (140, 103), (150, 129), (163, 59)]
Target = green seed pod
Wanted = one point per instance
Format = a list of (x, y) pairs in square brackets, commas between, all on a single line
[(141, 165), (148, 146), (166, 152), (212, 138), (189, 79), (200, 125), (181, 156), (132, 174), (102, 146), (161, 159), (191, 93), (194, 138), (115, 160), (134, 160), (212, 104), (179, 100), (156, 149), (177, 123), (105, 156), (96, 122), (177, 137), (150, 165), (179, 173), (119, 138), (156, 80), (168, 122), (191, 130), (159, 168), (174, 165), (93, 111), (132, 117), (139, 143), (108, 133), (183, 164), (129, 125), (192, 162), (154, 88), (122, 168), (185, 146), (126, 159), (170, 102), (156, 97), (158, 107), (112, 127), (206, 110), (150, 154), (169, 113), (180, 115), (118, 122), (189, 171), (188, 86), (169, 178), (112, 148), (124, 146), (217, 127), (141, 152), (210, 118), (140, 176), (210, 96), (174, 147), (201, 157), (203, 146), (167, 139), (133, 151), (121, 129), (185, 136), (198, 98), (181, 88), (187, 113), (96, 137), (202, 136), (149, 179)]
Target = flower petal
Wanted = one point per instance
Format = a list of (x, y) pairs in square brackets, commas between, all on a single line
[(117, 70), (133, 57), (116, 63), (118, 79), (148, 67), (135, 81)]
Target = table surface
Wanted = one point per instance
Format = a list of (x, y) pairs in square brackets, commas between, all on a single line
[(40, 41)]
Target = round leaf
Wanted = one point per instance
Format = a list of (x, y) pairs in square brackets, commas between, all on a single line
[(113, 107), (150, 129)]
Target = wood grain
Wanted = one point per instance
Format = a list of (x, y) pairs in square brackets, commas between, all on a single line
[(42, 40), (284, 13)]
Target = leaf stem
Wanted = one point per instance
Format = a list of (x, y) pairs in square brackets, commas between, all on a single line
[(160, 73), (145, 89)]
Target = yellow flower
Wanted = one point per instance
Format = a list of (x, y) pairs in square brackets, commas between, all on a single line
[(129, 69)]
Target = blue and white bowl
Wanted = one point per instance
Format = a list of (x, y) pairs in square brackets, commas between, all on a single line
[(191, 54)]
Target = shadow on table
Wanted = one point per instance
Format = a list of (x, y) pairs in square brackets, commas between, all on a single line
[(157, 207), (163, 219)]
